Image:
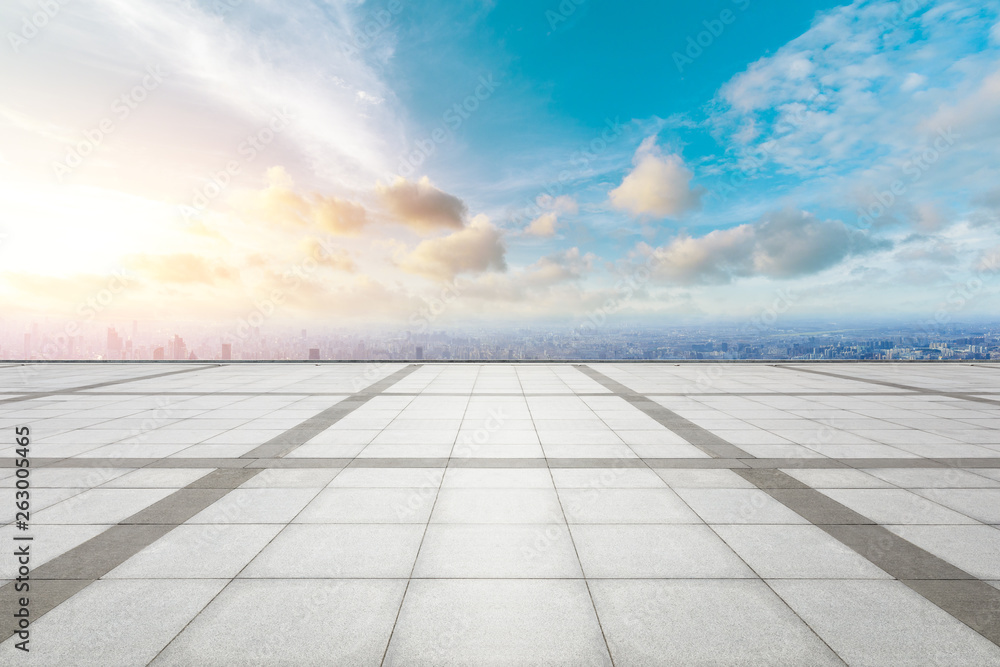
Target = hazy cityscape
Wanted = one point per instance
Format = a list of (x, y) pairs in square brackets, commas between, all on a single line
[(155, 341)]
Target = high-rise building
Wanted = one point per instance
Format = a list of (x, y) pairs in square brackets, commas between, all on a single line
[(227, 351), (420, 352), (114, 346), (178, 350), (313, 354), (27, 346), (158, 354)]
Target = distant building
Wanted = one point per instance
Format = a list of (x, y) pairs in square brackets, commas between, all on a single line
[(27, 346), (313, 354), (420, 352), (114, 346), (227, 351), (158, 354), (178, 349)]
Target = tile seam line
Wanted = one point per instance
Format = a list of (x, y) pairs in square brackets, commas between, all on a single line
[(235, 577), (711, 528), (622, 391), (569, 531), (359, 397), (786, 501), (882, 530), (252, 472), (924, 391), (423, 536), (75, 390), (59, 463), (89, 545), (284, 527)]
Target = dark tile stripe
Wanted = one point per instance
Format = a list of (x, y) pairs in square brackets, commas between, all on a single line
[(975, 603), (816, 463), (62, 577), (96, 557), (283, 444), (971, 601), (898, 557), (965, 396), (98, 385), (703, 439), (957, 592)]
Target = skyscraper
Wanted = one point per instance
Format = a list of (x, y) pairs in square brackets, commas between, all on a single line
[(114, 346), (178, 349)]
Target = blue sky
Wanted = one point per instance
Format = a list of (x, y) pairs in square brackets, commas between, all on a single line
[(662, 162)]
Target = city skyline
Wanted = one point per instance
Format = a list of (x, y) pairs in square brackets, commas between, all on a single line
[(433, 166), (759, 339)]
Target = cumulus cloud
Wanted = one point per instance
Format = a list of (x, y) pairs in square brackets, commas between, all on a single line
[(658, 185), (280, 204), (784, 244), (544, 226), (422, 206), (547, 224), (475, 249)]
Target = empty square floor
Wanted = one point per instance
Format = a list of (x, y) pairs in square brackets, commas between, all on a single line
[(501, 514)]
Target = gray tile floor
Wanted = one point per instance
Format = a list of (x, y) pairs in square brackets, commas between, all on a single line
[(507, 514)]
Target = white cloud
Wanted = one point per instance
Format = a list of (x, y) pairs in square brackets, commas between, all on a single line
[(833, 98), (543, 226), (658, 185), (783, 244), (913, 81), (422, 206), (547, 224), (976, 116), (475, 249), (280, 204)]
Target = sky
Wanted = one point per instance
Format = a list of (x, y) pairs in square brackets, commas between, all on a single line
[(426, 164)]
